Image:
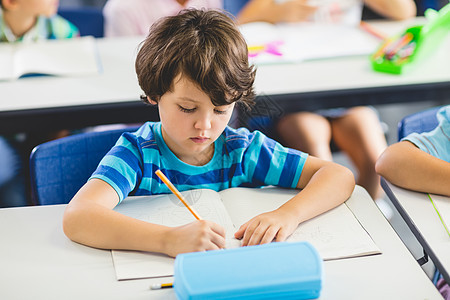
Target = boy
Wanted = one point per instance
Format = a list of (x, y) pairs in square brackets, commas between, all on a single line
[(194, 66), (421, 162), (32, 20)]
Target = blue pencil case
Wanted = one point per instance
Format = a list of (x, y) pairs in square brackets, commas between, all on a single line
[(270, 271)]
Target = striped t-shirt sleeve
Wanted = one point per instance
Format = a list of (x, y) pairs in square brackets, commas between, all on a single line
[(122, 166)]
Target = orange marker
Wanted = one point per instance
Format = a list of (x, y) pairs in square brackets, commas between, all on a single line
[(176, 192), (382, 49), (372, 30)]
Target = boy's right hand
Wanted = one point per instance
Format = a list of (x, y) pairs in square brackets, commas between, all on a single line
[(197, 236)]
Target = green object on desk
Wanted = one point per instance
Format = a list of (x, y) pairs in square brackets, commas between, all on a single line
[(415, 44), (440, 217)]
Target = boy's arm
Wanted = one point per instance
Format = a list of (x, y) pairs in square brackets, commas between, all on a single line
[(407, 166), (324, 186), (89, 219)]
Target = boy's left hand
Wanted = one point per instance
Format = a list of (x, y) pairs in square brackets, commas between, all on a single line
[(266, 227)]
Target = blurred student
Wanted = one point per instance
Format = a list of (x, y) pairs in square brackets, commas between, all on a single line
[(32, 20), (134, 17), (420, 161), (12, 185), (356, 131), (331, 11), (25, 21)]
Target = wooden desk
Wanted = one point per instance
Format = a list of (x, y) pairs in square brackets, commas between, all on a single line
[(421, 217), (113, 96), (38, 261)]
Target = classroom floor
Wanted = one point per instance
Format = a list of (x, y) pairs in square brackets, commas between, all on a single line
[(391, 114)]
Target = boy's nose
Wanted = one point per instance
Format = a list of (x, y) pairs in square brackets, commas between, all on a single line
[(203, 123)]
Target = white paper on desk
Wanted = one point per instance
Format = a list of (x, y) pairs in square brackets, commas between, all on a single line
[(66, 57), (338, 234), (307, 41), (136, 264), (335, 234), (443, 207), (158, 210)]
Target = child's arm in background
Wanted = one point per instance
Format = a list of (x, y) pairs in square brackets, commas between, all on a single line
[(324, 186), (409, 167), (89, 219), (273, 12), (393, 9)]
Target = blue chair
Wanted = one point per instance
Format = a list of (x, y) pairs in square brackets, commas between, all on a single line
[(422, 121), (88, 20), (59, 168), (234, 6)]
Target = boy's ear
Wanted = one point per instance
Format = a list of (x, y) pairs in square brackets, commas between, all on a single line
[(153, 102), (10, 4)]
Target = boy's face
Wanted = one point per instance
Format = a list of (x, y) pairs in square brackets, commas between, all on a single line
[(39, 7), (190, 122)]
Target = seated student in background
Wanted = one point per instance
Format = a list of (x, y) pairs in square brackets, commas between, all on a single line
[(134, 17), (333, 11), (420, 161), (24, 21), (356, 131), (32, 21), (194, 66), (12, 185)]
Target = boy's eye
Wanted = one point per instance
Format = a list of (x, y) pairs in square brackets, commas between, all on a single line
[(220, 111), (186, 110)]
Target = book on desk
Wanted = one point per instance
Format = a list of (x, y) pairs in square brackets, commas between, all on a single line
[(67, 57), (297, 42), (336, 234)]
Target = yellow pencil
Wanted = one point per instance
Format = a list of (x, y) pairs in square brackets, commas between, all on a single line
[(161, 286), (176, 192)]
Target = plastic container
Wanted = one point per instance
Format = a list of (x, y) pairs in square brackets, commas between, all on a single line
[(401, 52), (270, 271)]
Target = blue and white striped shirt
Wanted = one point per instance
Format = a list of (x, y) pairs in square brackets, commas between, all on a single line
[(241, 158)]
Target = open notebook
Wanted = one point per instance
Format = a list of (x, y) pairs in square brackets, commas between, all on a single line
[(290, 43), (67, 57), (336, 234)]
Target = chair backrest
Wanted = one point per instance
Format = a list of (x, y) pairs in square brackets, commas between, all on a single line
[(88, 20), (59, 168), (422, 121), (234, 6)]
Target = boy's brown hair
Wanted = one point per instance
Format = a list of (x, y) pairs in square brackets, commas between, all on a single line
[(205, 46)]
